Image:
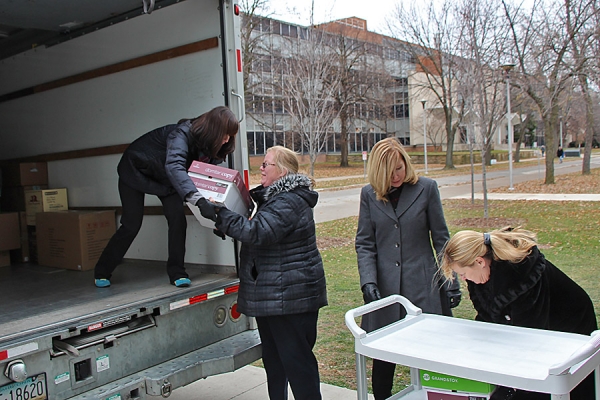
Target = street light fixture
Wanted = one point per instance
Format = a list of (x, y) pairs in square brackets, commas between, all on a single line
[(507, 68), (560, 130), (424, 135)]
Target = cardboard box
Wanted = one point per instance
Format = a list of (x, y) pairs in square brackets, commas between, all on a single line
[(13, 198), (37, 201), (223, 185), (73, 239), (10, 232), (25, 174), (435, 380)]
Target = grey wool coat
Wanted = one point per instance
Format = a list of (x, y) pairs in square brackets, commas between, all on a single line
[(394, 249), (281, 270)]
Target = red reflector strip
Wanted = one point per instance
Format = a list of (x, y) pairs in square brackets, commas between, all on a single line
[(239, 60), (203, 297), (18, 350), (198, 299), (232, 289)]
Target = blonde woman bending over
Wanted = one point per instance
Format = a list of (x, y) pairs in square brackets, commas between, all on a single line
[(510, 282)]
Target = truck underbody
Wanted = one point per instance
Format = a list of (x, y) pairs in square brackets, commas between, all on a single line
[(140, 320)]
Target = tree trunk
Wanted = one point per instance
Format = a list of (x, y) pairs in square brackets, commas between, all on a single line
[(344, 140), (551, 147)]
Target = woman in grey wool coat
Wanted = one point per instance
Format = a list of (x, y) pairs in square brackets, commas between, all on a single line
[(400, 223), (282, 281)]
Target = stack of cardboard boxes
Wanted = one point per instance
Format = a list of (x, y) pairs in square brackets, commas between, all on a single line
[(48, 233)]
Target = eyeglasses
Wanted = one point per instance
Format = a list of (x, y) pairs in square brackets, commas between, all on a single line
[(266, 164)]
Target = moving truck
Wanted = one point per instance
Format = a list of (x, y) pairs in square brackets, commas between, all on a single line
[(79, 81)]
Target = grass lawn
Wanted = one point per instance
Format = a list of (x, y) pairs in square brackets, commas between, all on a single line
[(567, 233)]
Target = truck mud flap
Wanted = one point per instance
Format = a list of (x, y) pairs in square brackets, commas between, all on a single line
[(224, 356)]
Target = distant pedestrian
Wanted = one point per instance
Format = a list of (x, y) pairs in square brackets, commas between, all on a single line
[(543, 149), (560, 154)]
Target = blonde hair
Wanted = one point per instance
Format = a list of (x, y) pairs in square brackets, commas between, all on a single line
[(506, 244), (382, 163), (285, 159)]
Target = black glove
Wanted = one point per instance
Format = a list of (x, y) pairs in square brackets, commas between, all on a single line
[(503, 393), (370, 292), (454, 297), (219, 233), (207, 209)]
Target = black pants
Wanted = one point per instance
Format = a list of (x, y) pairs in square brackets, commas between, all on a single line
[(287, 344), (131, 221), (382, 379)]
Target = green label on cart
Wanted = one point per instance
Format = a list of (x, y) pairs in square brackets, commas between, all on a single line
[(449, 382)]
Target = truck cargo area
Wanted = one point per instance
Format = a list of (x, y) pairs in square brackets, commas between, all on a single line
[(57, 298)]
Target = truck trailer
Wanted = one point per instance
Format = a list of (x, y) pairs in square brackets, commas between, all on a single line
[(79, 81)]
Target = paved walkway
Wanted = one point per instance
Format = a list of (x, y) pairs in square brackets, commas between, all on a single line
[(247, 383), (533, 196)]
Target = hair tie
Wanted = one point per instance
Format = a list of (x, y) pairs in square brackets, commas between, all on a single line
[(487, 239)]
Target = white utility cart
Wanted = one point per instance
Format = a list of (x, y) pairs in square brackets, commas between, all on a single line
[(523, 358)]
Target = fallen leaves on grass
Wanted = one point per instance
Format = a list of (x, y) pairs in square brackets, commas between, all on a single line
[(570, 183)]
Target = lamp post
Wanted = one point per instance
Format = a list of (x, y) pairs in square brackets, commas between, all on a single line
[(424, 135), (507, 68), (560, 131)]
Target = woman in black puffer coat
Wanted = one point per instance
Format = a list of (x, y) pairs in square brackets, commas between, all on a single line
[(511, 283), (157, 163), (282, 281)]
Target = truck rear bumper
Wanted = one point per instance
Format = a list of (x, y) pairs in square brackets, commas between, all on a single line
[(224, 356)]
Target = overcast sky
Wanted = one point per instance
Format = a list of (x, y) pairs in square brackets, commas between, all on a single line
[(298, 11)]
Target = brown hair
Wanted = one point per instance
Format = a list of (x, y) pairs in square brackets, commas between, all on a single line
[(384, 158), (209, 130)]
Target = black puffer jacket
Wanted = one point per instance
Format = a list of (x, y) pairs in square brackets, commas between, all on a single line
[(281, 270), (157, 162)]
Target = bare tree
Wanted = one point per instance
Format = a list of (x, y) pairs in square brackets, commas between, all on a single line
[(480, 84), (540, 42), (582, 19), (309, 86), (429, 36), (362, 81)]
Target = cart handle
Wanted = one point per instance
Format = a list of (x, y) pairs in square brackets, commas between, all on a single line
[(584, 352), (360, 333)]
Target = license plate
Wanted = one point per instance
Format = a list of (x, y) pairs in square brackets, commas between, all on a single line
[(32, 388)]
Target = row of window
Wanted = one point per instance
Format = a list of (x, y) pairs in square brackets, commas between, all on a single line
[(390, 49), (259, 142)]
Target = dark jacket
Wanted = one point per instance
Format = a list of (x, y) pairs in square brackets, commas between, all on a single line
[(157, 162), (281, 270), (533, 294), (394, 249)]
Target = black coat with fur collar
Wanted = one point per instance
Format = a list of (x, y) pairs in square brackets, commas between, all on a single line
[(281, 271), (534, 294)]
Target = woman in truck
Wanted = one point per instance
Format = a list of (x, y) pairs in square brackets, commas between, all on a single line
[(282, 281), (157, 163), (511, 282)]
